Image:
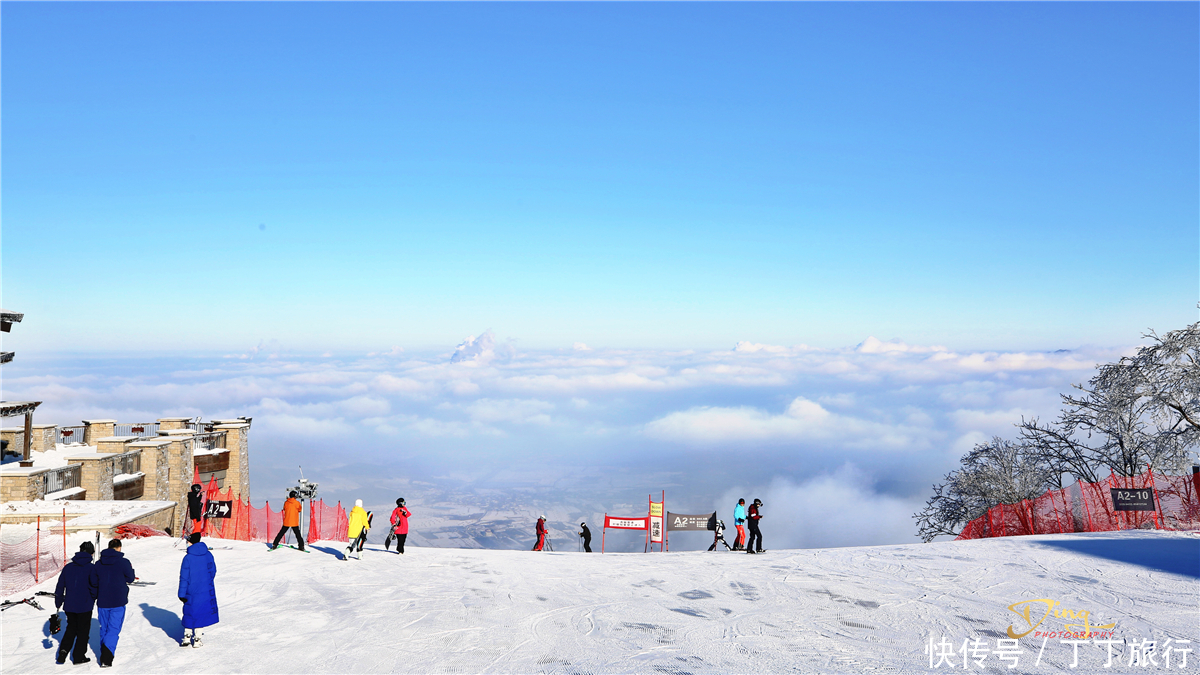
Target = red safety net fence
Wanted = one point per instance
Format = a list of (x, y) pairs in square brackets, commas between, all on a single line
[(248, 523), (37, 558), (1088, 507)]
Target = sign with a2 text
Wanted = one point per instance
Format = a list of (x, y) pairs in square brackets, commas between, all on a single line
[(1137, 499)]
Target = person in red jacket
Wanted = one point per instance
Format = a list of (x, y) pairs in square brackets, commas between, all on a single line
[(399, 527), (541, 534), (291, 518)]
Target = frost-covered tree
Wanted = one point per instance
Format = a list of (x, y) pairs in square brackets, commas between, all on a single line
[(1143, 410), (996, 472)]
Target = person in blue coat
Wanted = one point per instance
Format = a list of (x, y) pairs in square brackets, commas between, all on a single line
[(76, 592), (739, 521), (115, 573), (197, 591)]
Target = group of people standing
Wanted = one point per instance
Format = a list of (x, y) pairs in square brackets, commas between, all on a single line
[(748, 518), (358, 524), (104, 586)]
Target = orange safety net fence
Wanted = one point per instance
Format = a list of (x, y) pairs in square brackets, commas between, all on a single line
[(1088, 507), (248, 523), (32, 561)]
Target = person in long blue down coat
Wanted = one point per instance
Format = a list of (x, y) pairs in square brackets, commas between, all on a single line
[(197, 591)]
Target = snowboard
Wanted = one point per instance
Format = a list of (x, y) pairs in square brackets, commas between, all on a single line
[(302, 550)]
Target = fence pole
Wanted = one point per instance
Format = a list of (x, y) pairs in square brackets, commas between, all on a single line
[(1154, 495), (64, 536), (37, 556)]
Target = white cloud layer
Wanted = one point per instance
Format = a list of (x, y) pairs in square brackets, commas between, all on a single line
[(902, 413)]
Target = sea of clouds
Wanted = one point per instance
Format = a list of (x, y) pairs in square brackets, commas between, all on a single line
[(842, 445)]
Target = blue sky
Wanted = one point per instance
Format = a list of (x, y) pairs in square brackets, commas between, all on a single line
[(350, 177), (805, 252)]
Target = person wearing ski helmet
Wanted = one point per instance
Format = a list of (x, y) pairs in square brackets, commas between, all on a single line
[(197, 591), (541, 533), (586, 534), (755, 515), (291, 519), (76, 593), (196, 507), (356, 532), (399, 530), (739, 521)]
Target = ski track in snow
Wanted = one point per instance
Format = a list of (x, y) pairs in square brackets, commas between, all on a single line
[(847, 610)]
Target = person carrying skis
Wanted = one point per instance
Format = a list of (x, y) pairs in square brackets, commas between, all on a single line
[(196, 507), (357, 531), (76, 593), (197, 591), (399, 530), (114, 573), (291, 518), (755, 515), (541, 533), (587, 538), (739, 518)]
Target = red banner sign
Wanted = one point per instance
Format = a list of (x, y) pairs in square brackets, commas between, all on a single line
[(626, 523)]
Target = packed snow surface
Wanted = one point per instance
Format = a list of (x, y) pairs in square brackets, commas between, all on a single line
[(846, 610)]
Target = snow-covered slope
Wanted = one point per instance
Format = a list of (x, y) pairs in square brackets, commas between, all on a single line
[(851, 610)]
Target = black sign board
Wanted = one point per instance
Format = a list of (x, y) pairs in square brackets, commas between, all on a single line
[(1139, 499), (217, 509), (681, 521)]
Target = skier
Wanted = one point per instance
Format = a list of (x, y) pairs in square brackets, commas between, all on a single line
[(115, 573), (197, 591), (755, 516), (541, 533), (357, 531), (739, 517), (76, 593), (720, 537), (196, 507), (399, 530), (291, 518), (587, 538)]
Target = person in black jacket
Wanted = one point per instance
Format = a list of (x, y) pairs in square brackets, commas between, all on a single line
[(76, 593), (196, 507), (586, 534), (755, 515), (115, 574)]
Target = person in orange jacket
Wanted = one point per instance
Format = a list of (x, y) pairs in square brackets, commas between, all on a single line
[(291, 518)]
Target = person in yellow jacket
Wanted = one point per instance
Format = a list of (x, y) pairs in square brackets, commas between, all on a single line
[(360, 522)]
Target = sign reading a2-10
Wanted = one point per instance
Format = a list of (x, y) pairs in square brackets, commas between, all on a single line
[(1140, 499)]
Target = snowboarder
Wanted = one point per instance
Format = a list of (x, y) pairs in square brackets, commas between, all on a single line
[(115, 573), (739, 518), (399, 530), (356, 533), (291, 518), (719, 538), (197, 591), (586, 534), (196, 507), (541, 533), (755, 534), (76, 593)]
